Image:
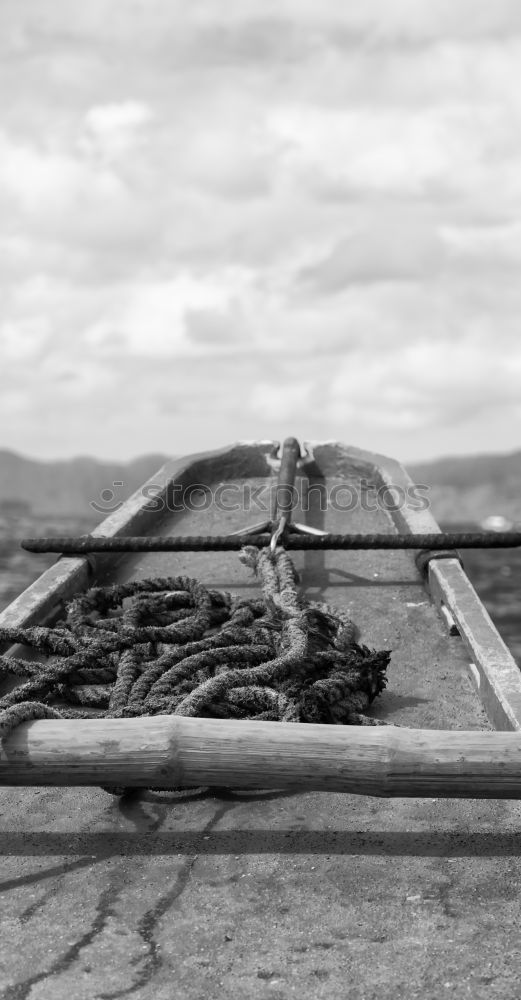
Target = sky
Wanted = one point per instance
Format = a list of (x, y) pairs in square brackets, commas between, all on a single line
[(243, 219)]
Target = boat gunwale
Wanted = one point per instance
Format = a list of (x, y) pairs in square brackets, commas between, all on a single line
[(492, 670)]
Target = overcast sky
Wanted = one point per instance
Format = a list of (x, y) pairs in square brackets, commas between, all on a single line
[(239, 219)]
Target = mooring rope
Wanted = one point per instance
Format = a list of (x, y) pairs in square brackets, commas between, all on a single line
[(173, 646)]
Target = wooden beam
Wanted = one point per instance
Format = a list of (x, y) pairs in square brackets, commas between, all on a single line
[(174, 751), (492, 668)]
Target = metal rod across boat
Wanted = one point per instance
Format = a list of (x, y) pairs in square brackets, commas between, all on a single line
[(221, 543)]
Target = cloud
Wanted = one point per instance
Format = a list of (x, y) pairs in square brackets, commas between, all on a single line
[(282, 401), (24, 341), (445, 152), (57, 195), (408, 20), (428, 384), (246, 25), (299, 214), (390, 248), (173, 317), (232, 159), (113, 130), (215, 327), (486, 249)]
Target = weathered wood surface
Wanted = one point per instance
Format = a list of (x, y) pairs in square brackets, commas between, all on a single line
[(172, 751), (492, 668)]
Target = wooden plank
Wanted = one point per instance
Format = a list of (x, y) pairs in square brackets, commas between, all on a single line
[(46, 595), (492, 668), (174, 751)]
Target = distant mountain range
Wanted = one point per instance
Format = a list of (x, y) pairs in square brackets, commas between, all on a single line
[(464, 488), (471, 487), (68, 487)]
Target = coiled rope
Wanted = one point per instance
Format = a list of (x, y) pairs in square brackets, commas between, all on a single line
[(172, 646)]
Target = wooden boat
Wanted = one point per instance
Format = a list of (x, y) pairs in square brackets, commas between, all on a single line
[(339, 488), (259, 813)]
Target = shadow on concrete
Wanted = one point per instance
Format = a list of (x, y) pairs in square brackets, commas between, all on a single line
[(100, 845)]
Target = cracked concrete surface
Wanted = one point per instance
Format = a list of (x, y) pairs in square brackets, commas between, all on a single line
[(225, 893), (267, 894)]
